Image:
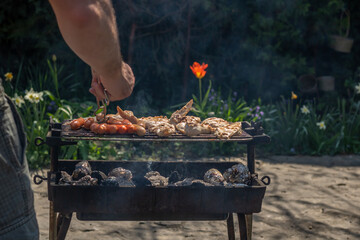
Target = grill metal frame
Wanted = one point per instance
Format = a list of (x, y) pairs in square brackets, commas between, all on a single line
[(60, 134)]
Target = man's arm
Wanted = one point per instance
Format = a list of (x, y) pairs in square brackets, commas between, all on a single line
[(89, 28)]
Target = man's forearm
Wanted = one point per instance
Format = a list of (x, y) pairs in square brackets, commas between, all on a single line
[(89, 28)]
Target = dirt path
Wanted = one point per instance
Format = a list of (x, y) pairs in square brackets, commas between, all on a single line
[(308, 198)]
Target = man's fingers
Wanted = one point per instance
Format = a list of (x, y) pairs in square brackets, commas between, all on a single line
[(93, 92), (98, 90)]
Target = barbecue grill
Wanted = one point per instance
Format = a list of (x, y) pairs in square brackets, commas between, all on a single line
[(144, 202)]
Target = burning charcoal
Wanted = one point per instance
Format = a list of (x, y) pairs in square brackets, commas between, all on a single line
[(65, 178), (213, 176), (238, 173), (192, 182), (120, 173), (84, 164), (125, 182), (87, 181), (141, 181), (118, 182), (156, 179), (110, 181), (198, 182), (82, 169), (174, 177), (185, 182), (79, 173), (99, 175)]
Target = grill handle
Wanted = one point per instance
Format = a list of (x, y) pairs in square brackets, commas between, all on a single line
[(266, 180), (39, 179), (39, 141)]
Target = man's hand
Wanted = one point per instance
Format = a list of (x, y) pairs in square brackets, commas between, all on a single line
[(89, 28), (97, 87)]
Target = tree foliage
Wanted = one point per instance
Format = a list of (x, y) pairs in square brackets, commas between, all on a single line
[(256, 48)]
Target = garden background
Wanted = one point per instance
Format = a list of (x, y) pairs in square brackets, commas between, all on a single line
[(256, 52)]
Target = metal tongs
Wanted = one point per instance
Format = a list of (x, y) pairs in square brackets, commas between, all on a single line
[(105, 102)]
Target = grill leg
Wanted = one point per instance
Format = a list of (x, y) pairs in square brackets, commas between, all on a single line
[(63, 223), (243, 226), (249, 218), (52, 222), (230, 227)]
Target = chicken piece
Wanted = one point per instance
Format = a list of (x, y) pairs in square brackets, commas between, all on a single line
[(215, 122), (159, 125), (151, 121), (180, 114), (193, 129), (228, 131), (188, 119), (206, 129), (181, 127), (162, 129), (100, 117), (129, 115), (192, 119), (114, 119)]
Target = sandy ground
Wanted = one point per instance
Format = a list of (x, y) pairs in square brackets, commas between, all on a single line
[(308, 198)]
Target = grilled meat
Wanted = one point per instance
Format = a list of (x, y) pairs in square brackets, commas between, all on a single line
[(129, 115), (162, 129), (215, 122), (180, 114), (226, 132)]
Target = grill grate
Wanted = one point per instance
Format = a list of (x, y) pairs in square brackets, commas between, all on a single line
[(83, 134)]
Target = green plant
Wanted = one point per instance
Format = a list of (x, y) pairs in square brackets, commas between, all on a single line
[(232, 109), (317, 131), (283, 124), (33, 109), (36, 106), (348, 126)]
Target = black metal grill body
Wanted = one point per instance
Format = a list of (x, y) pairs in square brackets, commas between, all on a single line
[(144, 202)]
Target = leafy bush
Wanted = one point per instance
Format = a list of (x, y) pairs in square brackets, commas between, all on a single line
[(36, 105), (259, 48), (310, 127)]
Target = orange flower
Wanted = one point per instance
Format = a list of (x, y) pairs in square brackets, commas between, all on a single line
[(199, 70)]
